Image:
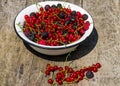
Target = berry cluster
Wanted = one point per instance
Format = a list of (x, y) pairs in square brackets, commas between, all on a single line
[(69, 75), (55, 25)]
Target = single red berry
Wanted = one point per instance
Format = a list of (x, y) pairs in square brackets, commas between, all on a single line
[(55, 67), (60, 68), (68, 79), (26, 16), (47, 72), (82, 31), (82, 74), (41, 9), (71, 70), (60, 82), (98, 65), (57, 79), (48, 65), (72, 79), (50, 81), (58, 75), (82, 70), (51, 68), (66, 68), (95, 69), (81, 77)]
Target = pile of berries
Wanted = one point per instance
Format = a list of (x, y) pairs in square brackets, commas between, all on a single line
[(55, 25), (69, 75)]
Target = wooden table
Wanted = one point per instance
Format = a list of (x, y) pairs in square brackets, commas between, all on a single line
[(21, 66)]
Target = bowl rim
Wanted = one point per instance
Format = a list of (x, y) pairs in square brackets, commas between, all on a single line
[(73, 44)]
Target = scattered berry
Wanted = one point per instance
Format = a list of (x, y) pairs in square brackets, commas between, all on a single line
[(68, 75), (89, 74), (50, 81)]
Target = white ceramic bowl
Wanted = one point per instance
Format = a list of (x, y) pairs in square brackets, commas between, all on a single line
[(51, 50)]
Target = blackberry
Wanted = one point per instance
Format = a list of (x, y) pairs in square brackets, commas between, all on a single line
[(85, 16), (89, 74), (44, 35), (73, 13), (33, 14), (59, 5), (47, 7), (62, 14)]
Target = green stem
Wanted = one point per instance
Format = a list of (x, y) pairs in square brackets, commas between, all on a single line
[(19, 25), (67, 58)]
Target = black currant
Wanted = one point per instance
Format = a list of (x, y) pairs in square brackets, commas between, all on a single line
[(73, 13), (89, 74), (59, 5), (33, 14), (44, 35), (47, 7), (74, 26), (72, 18), (30, 35), (85, 16), (53, 6), (62, 14)]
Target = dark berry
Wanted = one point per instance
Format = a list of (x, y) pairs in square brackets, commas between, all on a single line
[(72, 18), (33, 14), (73, 13), (30, 35), (44, 35), (89, 74), (47, 7), (74, 26), (59, 5), (85, 16), (53, 6), (62, 14)]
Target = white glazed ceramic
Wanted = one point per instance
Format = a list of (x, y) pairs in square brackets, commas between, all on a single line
[(51, 50)]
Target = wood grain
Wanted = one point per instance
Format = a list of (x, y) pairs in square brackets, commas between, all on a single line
[(20, 67)]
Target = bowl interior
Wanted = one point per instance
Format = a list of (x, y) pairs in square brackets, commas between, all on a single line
[(33, 8)]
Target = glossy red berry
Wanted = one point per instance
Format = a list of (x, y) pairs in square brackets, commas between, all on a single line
[(98, 65), (60, 82), (95, 69), (50, 81), (60, 68)]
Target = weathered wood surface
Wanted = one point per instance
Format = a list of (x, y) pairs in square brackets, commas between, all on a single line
[(20, 67)]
